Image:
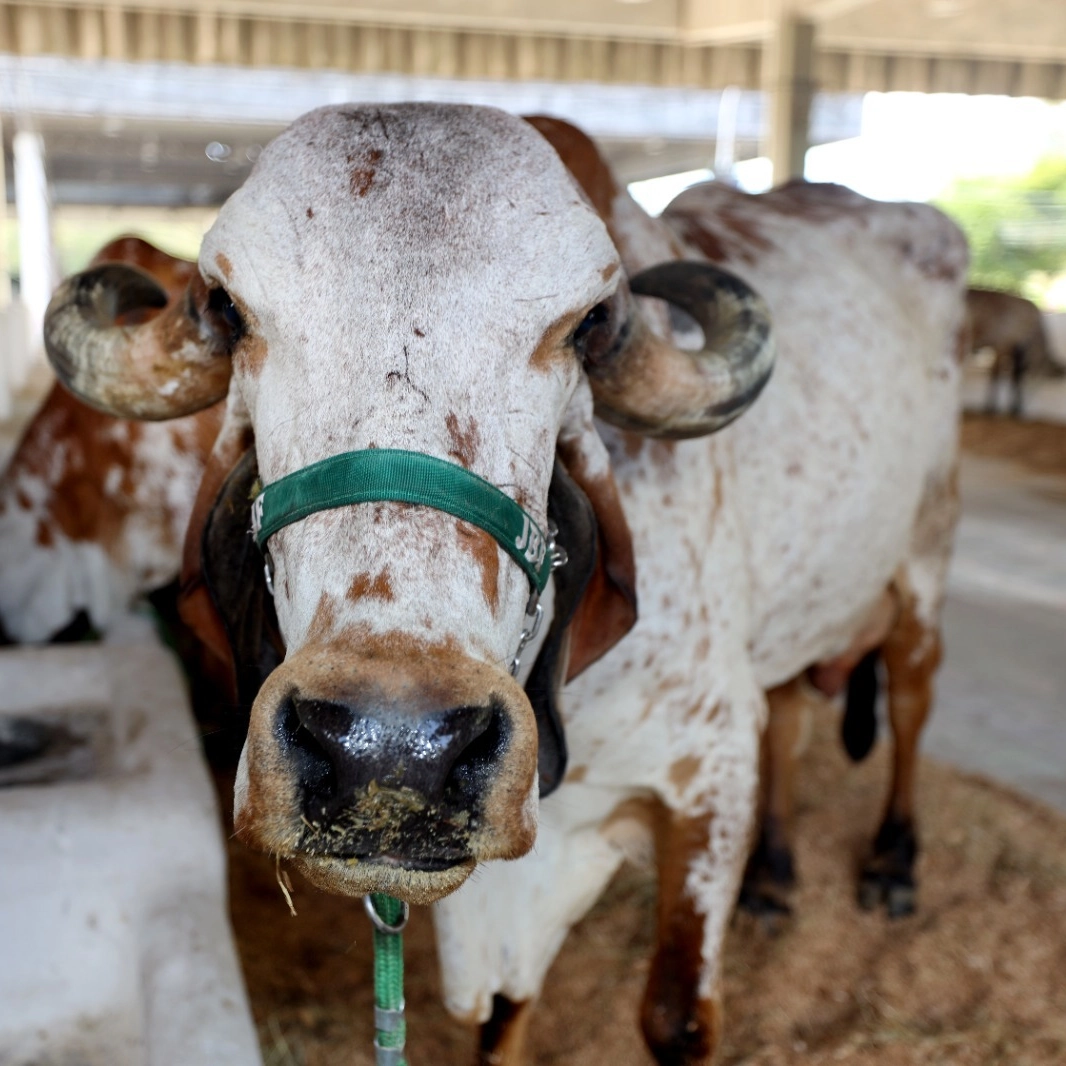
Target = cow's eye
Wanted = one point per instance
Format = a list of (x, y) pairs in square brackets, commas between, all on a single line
[(585, 334), (224, 317)]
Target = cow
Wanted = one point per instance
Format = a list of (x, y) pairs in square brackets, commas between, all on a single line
[(94, 509), (454, 282), (1013, 328)]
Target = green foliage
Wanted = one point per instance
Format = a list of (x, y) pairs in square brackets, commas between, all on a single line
[(1016, 226)]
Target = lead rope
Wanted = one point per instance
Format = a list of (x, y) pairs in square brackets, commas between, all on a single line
[(389, 916)]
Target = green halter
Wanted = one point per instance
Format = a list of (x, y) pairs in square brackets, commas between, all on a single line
[(407, 477)]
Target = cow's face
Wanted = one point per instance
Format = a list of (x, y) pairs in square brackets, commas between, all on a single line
[(425, 278), (405, 278)]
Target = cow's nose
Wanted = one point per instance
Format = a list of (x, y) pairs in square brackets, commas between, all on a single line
[(340, 750)]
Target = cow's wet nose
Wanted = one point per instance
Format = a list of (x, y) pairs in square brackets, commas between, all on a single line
[(340, 750)]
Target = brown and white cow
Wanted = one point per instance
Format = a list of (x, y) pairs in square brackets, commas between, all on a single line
[(1013, 328), (431, 278), (94, 508)]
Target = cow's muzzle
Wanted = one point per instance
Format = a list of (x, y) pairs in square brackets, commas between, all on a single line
[(393, 772)]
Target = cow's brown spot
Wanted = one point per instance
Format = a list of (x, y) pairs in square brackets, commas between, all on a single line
[(363, 586), (324, 620), (576, 774), (44, 535), (683, 770), (552, 349), (224, 265), (609, 271), (310, 212), (363, 175), (482, 548), (250, 354), (465, 440), (22, 500)]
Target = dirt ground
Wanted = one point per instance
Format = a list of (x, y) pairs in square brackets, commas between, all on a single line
[(1039, 446), (976, 978)]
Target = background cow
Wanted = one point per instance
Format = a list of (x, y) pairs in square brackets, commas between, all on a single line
[(1013, 328), (429, 277), (93, 508)]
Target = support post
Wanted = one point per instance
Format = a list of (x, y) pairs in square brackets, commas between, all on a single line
[(37, 271), (788, 82), (6, 354)]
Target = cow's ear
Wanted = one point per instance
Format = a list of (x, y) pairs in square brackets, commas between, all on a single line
[(234, 576), (572, 514), (608, 608)]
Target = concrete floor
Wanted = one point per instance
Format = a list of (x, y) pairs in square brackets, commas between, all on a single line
[(1001, 699)]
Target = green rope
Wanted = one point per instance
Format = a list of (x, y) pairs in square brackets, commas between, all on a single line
[(390, 1028)]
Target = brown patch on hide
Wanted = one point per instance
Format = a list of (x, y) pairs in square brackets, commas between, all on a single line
[(89, 447), (577, 774), (679, 1027), (225, 267), (323, 621), (250, 354), (377, 588), (552, 349), (683, 770), (310, 212), (609, 271), (363, 175), (465, 441), (482, 548), (44, 536), (24, 502)]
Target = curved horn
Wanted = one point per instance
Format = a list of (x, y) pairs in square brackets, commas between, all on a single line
[(164, 368), (662, 391)]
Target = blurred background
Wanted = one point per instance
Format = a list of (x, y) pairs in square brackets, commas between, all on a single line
[(139, 116)]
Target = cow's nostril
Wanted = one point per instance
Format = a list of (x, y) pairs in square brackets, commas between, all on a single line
[(470, 772), (311, 762)]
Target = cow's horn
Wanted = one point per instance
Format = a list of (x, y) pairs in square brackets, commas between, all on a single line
[(164, 368), (660, 390)]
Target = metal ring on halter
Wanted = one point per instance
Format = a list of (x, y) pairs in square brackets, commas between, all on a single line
[(526, 636), (268, 573), (379, 923)]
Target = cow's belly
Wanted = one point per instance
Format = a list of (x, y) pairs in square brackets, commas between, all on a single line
[(830, 474)]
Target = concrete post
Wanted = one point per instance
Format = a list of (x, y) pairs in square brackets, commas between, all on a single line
[(37, 271), (5, 296), (788, 73)]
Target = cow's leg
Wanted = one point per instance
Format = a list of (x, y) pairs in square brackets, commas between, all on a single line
[(502, 1040), (1018, 364), (681, 1020), (911, 654), (770, 874), (998, 365), (700, 860)]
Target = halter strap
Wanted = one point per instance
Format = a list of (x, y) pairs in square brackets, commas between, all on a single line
[(397, 475)]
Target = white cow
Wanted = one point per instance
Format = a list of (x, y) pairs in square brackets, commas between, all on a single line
[(430, 279)]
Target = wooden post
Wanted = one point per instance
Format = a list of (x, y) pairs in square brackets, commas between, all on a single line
[(788, 73)]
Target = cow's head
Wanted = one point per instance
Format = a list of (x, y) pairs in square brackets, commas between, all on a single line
[(426, 278)]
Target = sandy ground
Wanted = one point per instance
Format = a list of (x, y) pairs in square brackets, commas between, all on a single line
[(976, 978)]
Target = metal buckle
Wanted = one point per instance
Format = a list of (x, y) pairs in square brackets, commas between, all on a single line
[(379, 923)]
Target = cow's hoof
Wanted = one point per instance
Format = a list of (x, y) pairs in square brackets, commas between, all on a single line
[(888, 878), (769, 881), (899, 896)]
